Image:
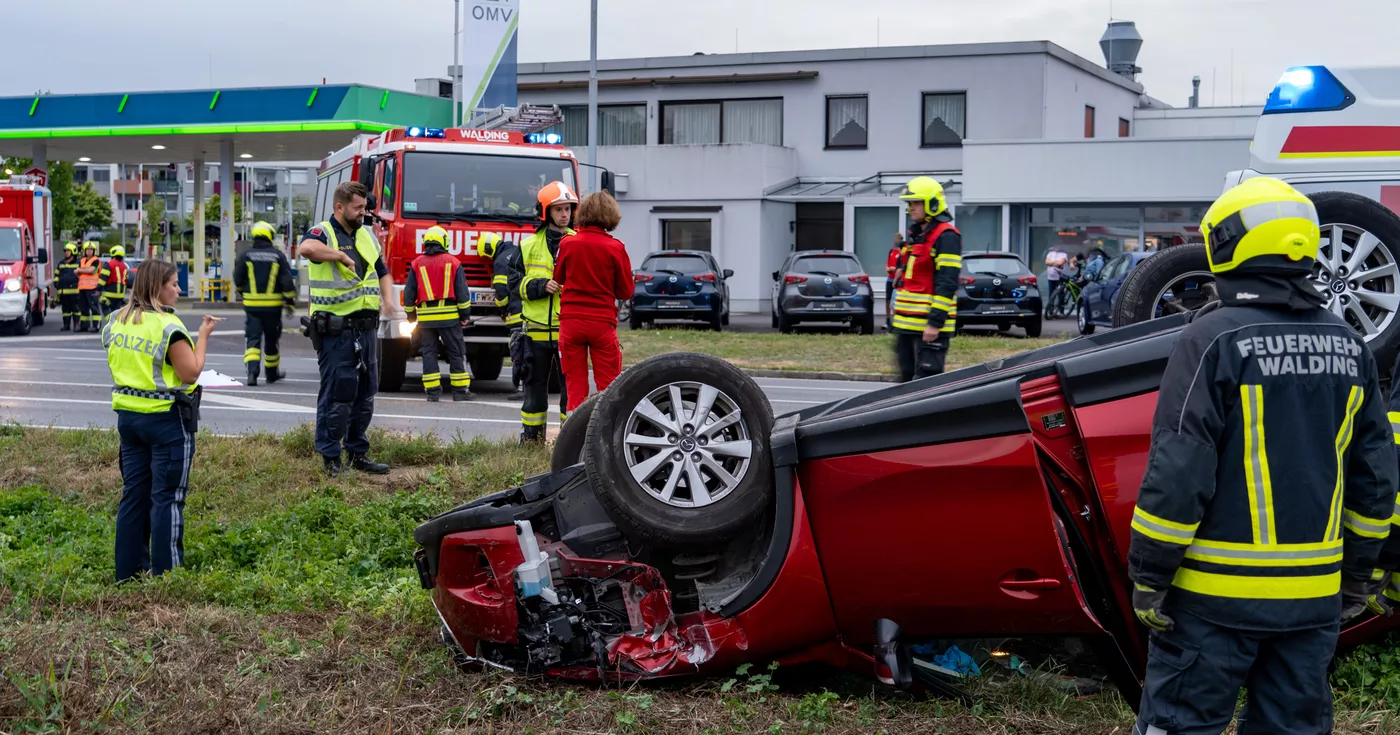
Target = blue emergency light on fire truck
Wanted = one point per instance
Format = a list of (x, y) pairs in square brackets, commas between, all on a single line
[(478, 179)]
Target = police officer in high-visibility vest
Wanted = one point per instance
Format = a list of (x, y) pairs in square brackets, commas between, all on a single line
[(1269, 488), (346, 276), (66, 285), (155, 365), (925, 301), (112, 280), (263, 277), (89, 297), (504, 256), (539, 294), (437, 299)]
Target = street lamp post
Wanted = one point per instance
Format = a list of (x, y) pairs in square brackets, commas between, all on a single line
[(593, 95)]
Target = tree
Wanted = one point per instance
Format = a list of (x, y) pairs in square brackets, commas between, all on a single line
[(155, 212), (17, 165), (61, 184), (91, 210)]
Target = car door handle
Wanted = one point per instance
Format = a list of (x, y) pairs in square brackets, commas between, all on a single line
[(1045, 583)]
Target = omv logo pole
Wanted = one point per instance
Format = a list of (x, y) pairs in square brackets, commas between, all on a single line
[(488, 54)]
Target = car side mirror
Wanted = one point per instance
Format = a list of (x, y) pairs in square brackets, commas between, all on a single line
[(728, 273), (605, 180), (371, 203), (42, 258), (775, 275)]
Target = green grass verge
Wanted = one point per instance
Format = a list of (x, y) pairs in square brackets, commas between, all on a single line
[(299, 611), (842, 353)]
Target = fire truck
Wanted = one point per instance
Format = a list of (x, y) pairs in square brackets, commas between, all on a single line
[(26, 238), (478, 179)]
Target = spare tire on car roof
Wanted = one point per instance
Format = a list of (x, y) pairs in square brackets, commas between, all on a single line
[(678, 451), (1358, 271)]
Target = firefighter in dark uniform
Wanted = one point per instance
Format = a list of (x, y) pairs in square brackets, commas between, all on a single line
[(539, 310), (66, 284), (346, 276), (263, 277), (504, 256), (437, 299), (1269, 488), (925, 299), (112, 279)]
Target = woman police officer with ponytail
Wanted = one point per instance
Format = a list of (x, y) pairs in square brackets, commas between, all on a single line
[(155, 366)]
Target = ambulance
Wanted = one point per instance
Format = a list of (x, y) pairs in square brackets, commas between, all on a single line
[(469, 181), (26, 239), (1334, 134)]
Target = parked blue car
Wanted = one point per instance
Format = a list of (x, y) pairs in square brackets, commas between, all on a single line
[(680, 284), (1096, 302)]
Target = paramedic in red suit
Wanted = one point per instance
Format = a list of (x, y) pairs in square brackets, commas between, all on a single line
[(595, 273)]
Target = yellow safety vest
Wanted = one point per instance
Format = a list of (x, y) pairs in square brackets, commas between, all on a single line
[(334, 286), (540, 316), (266, 297), (142, 380)]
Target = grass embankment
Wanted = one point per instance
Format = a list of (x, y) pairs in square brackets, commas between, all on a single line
[(299, 611), (841, 353)]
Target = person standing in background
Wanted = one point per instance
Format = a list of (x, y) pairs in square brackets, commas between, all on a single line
[(89, 298), (893, 264), (437, 299), (504, 256), (263, 277), (66, 284), (534, 280), (595, 273)]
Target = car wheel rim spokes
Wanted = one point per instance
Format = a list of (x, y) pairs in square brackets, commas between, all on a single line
[(1357, 275), (1187, 292), (686, 444)]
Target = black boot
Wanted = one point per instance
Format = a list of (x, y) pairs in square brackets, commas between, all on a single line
[(65, 327), (252, 373), (462, 394), (531, 435), (364, 464), (518, 395), (434, 396), (332, 465), (274, 375)]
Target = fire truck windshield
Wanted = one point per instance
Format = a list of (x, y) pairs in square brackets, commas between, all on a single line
[(483, 186), (11, 249)]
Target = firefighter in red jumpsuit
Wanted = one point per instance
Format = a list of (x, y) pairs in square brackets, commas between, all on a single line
[(925, 301), (595, 273)]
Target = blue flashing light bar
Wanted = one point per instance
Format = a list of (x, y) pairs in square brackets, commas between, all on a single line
[(1308, 89), (544, 138), (417, 132)]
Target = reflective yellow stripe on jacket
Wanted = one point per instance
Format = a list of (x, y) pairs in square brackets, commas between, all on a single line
[(334, 286), (540, 316), (264, 297)]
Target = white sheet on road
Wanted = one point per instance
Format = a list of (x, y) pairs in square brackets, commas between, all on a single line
[(216, 379)]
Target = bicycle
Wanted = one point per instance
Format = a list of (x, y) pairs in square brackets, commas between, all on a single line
[(1064, 302)]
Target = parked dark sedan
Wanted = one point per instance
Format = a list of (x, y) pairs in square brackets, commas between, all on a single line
[(997, 288), (1096, 302), (822, 286), (680, 284)]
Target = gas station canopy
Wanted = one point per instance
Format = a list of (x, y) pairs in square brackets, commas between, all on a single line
[(263, 123)]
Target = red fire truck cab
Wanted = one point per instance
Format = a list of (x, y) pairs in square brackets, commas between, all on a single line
[(467, 181), (26, 237)]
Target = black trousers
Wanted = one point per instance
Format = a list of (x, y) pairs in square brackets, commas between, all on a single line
[(453, 347), (110, 305), (71, 310), (156, 453), (1195, 671), (534, 410), (89, 309), (262, 335), (917, 358), (349, 365)]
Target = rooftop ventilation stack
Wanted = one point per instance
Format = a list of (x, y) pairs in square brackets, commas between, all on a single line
[(1195, 91), (1121, 44)]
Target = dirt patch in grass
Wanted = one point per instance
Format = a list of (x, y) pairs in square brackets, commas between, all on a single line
[(843, 353)]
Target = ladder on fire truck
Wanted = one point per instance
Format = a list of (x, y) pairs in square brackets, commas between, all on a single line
[(521, 119)]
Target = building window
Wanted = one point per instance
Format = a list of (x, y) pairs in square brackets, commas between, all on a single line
[(299, 177), (80, 175), (945, 119), (685, 234), (846, 121), (617, 125), (102, 174), (1124, 128), (725, 121), (1088, 121)]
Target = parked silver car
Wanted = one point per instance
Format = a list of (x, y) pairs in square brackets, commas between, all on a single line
[(822, 286)]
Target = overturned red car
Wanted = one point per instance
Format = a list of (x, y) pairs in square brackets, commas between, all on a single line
[(697, 532)]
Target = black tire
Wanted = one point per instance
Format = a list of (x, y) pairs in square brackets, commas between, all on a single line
[(21, 326), (1033, 327), (1137, 298), (393, 362), (785, 323), (1085, 326), (634, 321), (774, 314), (568, 445), (644, 516), (717, 320), (40, 311), (865, 324), (486, 365), (725, 319)]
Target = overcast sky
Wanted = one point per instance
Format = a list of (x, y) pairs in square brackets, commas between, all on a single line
[(74, 46)]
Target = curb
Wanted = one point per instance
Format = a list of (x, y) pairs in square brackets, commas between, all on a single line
[(821, 375)]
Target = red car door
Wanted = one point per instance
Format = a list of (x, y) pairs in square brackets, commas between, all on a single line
[(934, 513)]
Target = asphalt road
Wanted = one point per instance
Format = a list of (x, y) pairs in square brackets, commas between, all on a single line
[(60, 379)]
